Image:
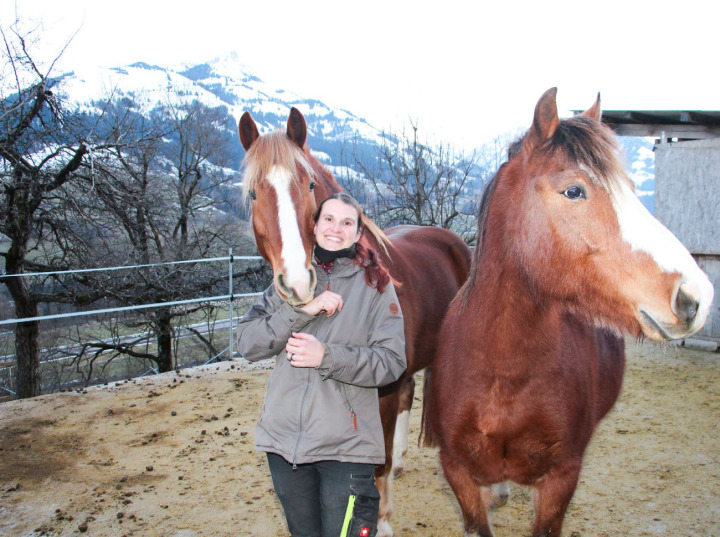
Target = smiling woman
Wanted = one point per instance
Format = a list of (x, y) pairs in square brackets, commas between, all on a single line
[(337, 226)]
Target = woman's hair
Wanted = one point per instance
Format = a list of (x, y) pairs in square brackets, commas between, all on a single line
[(376, 275)]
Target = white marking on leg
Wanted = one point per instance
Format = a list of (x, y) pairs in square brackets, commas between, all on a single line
[(384, 529), (297, 276), (400, 441), (384, 485)]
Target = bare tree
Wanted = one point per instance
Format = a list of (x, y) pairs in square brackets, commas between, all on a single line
[(408, 181), (152, 205), (39, 154), (411, 182)]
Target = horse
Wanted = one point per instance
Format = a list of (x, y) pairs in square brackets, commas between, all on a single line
[(285, 183), (531, 353)]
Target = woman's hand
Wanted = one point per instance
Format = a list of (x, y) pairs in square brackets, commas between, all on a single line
[(304, 350), (327, 301)]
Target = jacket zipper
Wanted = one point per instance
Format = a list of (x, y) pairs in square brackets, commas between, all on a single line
[(302, 406), (353, 415)]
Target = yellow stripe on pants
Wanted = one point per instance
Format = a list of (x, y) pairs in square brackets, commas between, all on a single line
[(348, 515)]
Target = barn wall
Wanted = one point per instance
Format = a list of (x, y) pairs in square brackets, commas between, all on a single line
[(711, 266), (687, 201)]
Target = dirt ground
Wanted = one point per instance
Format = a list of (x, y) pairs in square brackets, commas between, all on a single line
[(173, 456)]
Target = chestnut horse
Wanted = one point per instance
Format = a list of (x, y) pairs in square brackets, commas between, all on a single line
[(531, 354), (284, 183)]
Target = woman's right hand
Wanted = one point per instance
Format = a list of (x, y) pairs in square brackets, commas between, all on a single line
[(327, 301)]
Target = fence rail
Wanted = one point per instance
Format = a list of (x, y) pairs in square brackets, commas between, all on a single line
[(229, 297)]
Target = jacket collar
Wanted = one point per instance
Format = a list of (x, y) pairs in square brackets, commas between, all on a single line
[(343, 267)]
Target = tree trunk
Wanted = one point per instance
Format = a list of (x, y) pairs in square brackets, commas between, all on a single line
[(164, 339), (26, 338), (28, 364)]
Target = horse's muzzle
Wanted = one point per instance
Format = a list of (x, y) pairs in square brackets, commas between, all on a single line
[(298, 294)]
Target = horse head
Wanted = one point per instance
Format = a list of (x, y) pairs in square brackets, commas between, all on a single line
[(582, 237), (280, 180)]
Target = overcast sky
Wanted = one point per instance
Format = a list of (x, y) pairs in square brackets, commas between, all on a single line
[(465, 73)]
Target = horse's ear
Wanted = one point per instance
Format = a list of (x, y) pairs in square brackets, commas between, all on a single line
[(545, 121), (594, 112), (296, 128), (248, 131)]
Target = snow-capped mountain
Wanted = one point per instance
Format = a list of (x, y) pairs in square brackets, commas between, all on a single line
[(221, 82), (226, 82)]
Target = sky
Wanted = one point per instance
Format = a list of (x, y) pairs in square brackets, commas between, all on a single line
[(464, 71)]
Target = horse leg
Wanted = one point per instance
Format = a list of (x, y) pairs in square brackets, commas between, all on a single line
[(552, 496), (469, 495), (402, 426), (383, 474)]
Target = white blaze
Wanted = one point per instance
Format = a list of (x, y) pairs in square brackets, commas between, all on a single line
[(644, 232), (293, 252)]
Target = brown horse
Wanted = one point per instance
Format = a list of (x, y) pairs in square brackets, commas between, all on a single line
[(531, 354), (283, 181)]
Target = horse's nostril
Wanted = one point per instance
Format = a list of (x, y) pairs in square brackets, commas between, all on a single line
[(282, 288), (313, 278), (686, 305)]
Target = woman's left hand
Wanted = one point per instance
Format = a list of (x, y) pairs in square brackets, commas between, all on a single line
[(304, 350)]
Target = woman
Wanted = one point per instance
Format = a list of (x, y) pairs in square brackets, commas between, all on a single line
[(320, 424)]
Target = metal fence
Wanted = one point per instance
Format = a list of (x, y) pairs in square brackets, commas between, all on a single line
[(229, 297)]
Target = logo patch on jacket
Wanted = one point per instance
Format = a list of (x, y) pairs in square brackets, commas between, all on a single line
[(394, 308), (364, 532)]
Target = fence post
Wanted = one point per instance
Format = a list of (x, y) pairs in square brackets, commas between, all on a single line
[(230, 292)]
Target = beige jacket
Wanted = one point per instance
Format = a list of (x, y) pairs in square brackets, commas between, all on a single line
[(332, 412)]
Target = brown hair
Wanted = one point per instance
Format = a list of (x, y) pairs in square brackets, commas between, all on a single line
[(376, 275)]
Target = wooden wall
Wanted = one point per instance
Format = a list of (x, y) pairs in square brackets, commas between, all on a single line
[(687, 202)]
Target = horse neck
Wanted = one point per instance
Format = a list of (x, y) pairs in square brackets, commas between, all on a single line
[(511, 324)]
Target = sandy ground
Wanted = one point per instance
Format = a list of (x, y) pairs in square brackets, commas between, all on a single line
[(173, 456)]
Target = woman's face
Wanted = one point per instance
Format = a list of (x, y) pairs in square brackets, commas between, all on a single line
[(337, 226)]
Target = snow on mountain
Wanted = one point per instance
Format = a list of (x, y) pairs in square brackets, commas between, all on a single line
[(640, 159), (227, 82), (221, 82)]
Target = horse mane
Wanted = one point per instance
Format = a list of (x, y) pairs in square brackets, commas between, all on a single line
[(273, 149), (592, 146)]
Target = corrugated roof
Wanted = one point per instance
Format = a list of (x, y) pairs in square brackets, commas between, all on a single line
[(668, 124)]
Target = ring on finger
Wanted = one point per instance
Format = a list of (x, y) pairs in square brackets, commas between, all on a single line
[(291, 356)]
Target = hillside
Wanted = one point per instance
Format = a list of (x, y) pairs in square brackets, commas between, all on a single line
[(334, 134)]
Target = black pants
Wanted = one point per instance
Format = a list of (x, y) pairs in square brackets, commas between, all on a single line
[(315, 497)]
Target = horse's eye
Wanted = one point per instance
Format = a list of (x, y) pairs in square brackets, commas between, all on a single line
[(312, 187), (574, 193), (252, 195)]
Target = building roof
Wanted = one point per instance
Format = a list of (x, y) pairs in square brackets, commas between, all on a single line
[(667, 124)]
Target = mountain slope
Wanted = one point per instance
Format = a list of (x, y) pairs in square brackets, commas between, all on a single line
[(225, 82)]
